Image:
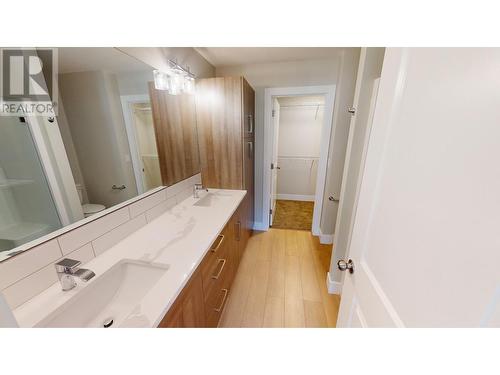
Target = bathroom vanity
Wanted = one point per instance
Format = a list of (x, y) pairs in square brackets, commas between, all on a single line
[(175, 271), (202, 300)]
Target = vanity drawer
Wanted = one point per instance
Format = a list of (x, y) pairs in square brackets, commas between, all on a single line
[(216, 301), (216, 262)]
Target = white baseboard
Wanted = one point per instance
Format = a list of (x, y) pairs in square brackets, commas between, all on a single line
[(326, 239), (334, 287), (258, 225), (295, 197)]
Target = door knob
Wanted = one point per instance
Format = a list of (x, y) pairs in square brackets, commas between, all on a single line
[(351, 110), (332, 199), (343, 265)]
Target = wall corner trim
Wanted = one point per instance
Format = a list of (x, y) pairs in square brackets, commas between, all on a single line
[(325, 239), (258, 225)]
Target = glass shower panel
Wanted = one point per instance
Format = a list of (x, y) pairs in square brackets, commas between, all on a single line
[(27, 208)]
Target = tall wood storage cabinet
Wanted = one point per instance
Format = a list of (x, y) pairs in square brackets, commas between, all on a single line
[(225, 114)]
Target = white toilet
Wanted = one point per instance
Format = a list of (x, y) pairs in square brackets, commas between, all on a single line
[(89, 209)]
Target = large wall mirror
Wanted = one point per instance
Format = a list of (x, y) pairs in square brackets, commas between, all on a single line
[(115, 137)]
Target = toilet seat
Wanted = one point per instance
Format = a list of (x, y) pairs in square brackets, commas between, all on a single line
[(91, 209)]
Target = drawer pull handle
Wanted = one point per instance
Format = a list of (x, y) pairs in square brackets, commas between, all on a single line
[(219, 309), (221, 239), (250, 124), (223, 261)]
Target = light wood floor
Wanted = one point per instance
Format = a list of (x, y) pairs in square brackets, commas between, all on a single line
[(281, 282)]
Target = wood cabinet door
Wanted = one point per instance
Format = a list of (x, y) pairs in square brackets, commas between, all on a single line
[(218, 114), (173, 319), (193, 305), (188, 310)]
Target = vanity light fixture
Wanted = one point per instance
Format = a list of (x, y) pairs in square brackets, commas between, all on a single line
[(175, 80), (189, 85), (161, 80)]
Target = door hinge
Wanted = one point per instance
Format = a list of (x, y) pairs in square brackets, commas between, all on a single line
[(273, 113), (272, 165), (271, 211)]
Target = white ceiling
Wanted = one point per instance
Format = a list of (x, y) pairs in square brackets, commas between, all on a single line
[(82, 59), (228, 56)]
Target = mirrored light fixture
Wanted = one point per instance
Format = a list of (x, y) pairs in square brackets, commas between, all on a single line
[(176, 80)]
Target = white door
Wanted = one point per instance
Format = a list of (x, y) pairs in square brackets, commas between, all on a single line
[(365, 95), (426, 238), (275, 167)]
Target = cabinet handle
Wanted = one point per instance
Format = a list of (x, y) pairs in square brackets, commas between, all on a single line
[(223, 261), (250, 124), (238, 236), (221, 239), (219, 309), (250, 149)]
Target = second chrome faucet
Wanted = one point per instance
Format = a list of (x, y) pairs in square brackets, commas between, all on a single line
[(196, 189)]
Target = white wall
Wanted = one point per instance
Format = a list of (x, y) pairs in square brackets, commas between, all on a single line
[(93, 111), (135, 82), (300, 125), (282, 74)]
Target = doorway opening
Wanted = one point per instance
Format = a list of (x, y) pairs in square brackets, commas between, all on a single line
[(298, 126), (141, 136), (298, 123)]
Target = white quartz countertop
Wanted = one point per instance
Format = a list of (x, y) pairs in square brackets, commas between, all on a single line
[(179, 238)]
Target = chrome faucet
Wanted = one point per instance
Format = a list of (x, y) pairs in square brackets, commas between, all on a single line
[(196, 189), (67, 269)]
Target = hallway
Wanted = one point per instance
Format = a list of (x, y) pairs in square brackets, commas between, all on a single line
[(281, 283)]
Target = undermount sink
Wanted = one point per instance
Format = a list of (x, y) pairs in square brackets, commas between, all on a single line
[(111, 300), (210, 198)]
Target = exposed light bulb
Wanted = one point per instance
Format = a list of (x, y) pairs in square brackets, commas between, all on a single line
[(161, 80), (176, 82), (189, 85)]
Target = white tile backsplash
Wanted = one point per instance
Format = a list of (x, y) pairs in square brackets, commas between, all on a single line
[(160, 209), (30, 286), (183, 195), (84, 254), (80, 236), (183, 185), (28, 262), (111, 238), (31, 272), (147, 203)]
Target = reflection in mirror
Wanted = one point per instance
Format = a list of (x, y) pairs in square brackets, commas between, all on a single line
[(99, 151)]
